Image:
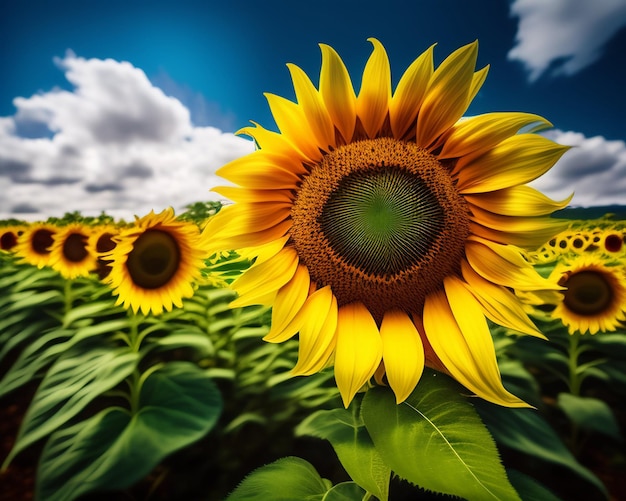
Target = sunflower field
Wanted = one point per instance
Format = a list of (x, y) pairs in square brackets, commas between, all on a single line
[(384, 310)]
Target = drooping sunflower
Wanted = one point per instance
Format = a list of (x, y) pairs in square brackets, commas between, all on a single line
[(594, 299), (33, 246), (155, 262), (386, 227), (70, 254)]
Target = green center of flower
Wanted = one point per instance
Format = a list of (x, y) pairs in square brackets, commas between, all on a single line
[(154, 259), (588, 293), (381, 222), (75, 247)]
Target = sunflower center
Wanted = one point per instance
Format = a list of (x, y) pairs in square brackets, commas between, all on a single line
[(588, 293), (154, 259), (8, 240), (105, 243), (380, 221), (75, 247), (613, 243), (41, 241)]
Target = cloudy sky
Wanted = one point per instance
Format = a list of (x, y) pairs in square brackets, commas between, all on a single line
[(127, 106)]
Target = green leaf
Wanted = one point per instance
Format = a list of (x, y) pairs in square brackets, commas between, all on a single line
[(436, 440), (524, 430), (529, 489), (354, 447), (590, 414), (114, 449), (288, 479), (345, 491), (71, 383), (89, 310)]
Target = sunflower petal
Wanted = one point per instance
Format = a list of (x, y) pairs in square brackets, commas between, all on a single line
[(517, 201), (234, 240), (289, 301), (478, 79), (372, 104), (447, 95), (516, 160), (458, 332), (359, 349), (403, 353), (245, 218), (337, 91), (410, 92), (498, 303), (504, 265), (292, 123), (265, 278), (246, 195), (317, 337), (268, 140), (475, 135), (261, 171)]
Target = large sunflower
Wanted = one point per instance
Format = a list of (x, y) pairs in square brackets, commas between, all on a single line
[(155, 262), (69, 253), (34, 244), (385, 227), (595, 296)]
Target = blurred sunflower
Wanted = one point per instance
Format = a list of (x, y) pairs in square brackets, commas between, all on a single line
[(33, 246), (9, 236), (595, 295), (155, 262), (613, 241), (70, 254), (101, 242), (385, 227)]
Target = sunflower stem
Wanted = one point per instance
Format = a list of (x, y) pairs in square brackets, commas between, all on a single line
[(575, 381)]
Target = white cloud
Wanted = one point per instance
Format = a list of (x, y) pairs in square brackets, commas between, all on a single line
[(564, 36), (114, 143), (594, 169)]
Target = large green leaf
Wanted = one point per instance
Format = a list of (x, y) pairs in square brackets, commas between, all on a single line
[(354, 447), (114, 449), (288, 479), (524, 430), (590, 414), (529, 489), (436, 440), (69, 386)]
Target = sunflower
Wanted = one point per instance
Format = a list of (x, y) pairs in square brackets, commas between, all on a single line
[(33, 246), (595, 295), (70, 254), (9, 236), (613, 241), (385, 227), (155, 262), (102, 241)]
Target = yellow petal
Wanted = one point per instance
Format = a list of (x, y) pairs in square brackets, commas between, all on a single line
[(261, 171), (235, 240), (288, 303), (504, 265), (499, 304), (478, 79), (458, 332), (447, 94), (372, 104), (403, 353), (292, 123), (516, 160), (475, 135), (244, 195), (410, 92), (517, 201), (359, 349), (337, 91), (313, 107), (269, 141), (265, 278), (317, 338), (526, 232)]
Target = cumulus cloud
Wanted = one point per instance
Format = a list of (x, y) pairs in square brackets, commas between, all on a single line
[(114, 143), (594, 169), (563, 36)]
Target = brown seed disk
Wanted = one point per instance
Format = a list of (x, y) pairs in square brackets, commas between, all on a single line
[(434, 244)]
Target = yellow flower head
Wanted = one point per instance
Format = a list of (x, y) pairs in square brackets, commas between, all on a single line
[(385, 227), (33, 246), (70, 254), (155, 262), (9, 236), (595, 295)]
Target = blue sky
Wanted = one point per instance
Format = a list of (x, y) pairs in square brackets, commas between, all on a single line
[(126, 106)]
